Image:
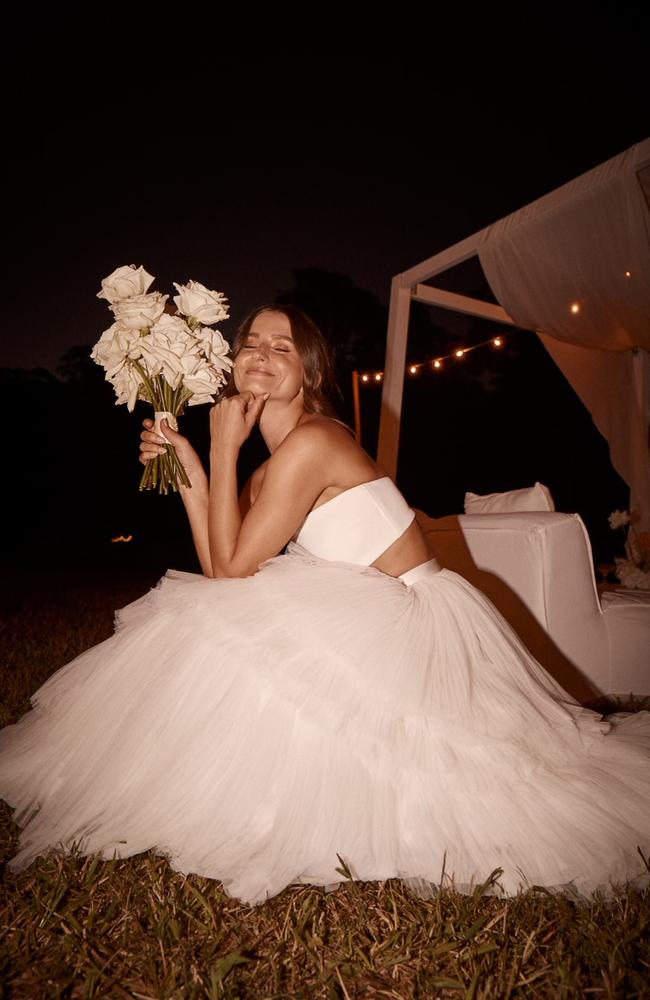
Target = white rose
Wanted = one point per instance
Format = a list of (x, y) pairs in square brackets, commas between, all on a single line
[(102, 350), (214, 347), (127, 383), (175, 332), (139, 311), (166, 347), (618, 519), (198, 302), (159, 360), (203, 390), (124, 283), (202, 379), (114, 346)]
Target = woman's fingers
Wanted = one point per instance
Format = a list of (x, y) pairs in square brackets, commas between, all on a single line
[(148, 451), (255, 407), (232, 412), (151, 444)]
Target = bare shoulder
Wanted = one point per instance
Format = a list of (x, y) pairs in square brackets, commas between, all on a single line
[(320, 432), (326, 450)]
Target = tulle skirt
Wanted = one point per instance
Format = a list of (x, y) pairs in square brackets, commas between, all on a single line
[(319, 716)]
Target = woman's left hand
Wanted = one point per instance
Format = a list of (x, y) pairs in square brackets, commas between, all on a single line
[(232, 419)]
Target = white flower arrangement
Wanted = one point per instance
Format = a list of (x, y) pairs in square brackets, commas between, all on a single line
[(634, 570), (168, 360)]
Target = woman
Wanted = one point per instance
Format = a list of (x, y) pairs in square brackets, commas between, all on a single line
[(346, 701)]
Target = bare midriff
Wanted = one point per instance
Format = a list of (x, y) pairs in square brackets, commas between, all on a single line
[(406, 552)]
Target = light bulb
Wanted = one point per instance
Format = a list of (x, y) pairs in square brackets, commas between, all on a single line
[(437, 364), (459, 353), (497, 341), (364, 378), (575, 308), (413, 369), (378, 377)]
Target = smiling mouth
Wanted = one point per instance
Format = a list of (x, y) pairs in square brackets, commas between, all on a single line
[(257, 371)]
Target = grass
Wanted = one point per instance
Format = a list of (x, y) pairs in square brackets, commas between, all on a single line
[(80, 927)]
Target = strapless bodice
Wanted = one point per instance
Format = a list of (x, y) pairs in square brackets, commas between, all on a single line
[(357, 525)]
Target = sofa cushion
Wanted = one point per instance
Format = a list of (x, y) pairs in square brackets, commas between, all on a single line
[(532, 498)]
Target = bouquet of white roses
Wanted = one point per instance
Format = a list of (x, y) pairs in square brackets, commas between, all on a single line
[(169, 360)]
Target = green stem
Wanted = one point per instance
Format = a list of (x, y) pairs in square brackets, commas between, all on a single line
[(179, 470), (169, 472), (146, 382), (147, 475)]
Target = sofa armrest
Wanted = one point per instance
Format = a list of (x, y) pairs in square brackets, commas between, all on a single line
[(537, 570)]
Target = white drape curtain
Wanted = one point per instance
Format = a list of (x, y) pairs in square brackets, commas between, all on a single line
[(575, 267), (615, 388)]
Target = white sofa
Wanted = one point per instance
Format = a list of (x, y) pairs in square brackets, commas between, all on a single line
[(537, 569)]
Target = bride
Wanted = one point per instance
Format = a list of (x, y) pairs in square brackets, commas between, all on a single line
[(347, 701)]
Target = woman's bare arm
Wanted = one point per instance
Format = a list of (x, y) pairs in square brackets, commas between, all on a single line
[(300, 468), (195, 498), (233, 537), (295, 475)]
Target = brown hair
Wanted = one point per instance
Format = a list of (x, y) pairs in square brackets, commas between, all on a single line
[(312, 349)]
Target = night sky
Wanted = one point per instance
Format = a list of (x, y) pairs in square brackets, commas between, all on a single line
[(255, 158), (235, 169)]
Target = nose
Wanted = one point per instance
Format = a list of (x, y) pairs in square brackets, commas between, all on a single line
[(260, 352)]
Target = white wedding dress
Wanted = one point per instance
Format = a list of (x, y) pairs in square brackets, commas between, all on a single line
[(260, 730)]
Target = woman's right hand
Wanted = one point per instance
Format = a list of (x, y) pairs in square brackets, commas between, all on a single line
[(151, 445)]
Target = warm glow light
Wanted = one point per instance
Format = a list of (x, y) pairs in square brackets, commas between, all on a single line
[(628, 274), (575, 307), (438, 363), (122, 538)]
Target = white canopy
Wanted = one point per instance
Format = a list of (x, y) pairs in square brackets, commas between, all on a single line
[(574, 266)]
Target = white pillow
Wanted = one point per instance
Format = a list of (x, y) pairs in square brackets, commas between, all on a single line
[(537, 497)]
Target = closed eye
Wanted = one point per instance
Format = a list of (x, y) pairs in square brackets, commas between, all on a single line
[(251, 347)]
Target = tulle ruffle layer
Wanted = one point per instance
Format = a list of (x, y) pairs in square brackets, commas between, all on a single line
[(259, 730)]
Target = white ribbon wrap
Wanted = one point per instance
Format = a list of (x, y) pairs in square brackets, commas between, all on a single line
[(159, 416)]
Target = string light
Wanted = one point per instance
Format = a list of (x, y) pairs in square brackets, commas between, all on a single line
[(437, 365), (628, 274), (122, 538), (575, 308)]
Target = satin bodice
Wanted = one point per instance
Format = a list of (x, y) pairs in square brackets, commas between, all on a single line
[(357, 525)]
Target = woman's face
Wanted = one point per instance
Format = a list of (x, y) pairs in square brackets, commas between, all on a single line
[(268, 360)]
